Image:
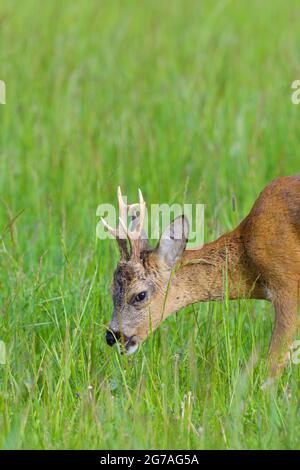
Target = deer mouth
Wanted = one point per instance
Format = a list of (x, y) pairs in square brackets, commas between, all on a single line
[(129, 346)]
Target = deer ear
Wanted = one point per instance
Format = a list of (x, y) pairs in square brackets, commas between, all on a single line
[(173, 241)]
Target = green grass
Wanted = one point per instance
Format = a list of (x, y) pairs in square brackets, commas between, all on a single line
[(191, 101)]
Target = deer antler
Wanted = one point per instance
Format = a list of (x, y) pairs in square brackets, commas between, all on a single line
[(122, 232), (122, 213), (134, 234), (119, 233)]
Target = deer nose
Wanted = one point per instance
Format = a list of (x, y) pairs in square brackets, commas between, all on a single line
[(112, 337)]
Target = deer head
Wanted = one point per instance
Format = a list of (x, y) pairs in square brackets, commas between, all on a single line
[(142, 276)]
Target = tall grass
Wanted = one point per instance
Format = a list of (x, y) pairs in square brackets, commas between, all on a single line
[(189, 100)]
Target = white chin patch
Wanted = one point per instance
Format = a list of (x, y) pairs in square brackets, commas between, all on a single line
[(131, 349), (128, 350)]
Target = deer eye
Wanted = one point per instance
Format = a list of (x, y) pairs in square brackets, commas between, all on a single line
[(141, 296)]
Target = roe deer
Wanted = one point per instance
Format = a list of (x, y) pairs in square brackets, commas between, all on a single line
[(261, 257)]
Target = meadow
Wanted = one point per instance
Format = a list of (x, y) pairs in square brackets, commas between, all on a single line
[(190, 101)]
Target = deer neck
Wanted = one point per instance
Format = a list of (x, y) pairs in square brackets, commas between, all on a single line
[(218, 269)]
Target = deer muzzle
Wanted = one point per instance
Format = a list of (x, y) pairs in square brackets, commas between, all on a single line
[(127, 345)]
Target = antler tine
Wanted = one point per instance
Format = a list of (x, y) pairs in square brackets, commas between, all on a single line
[(134, 235), (122, 213), (141, 199), (123, 232), (111, 230), (142, 211), (119, 234), (123, 208)]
